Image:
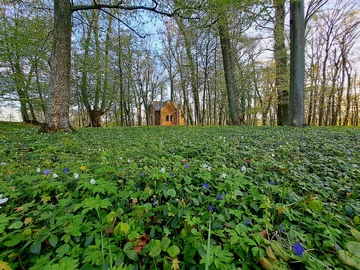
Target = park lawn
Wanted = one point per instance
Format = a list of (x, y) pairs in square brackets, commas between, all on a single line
[(145, 198)]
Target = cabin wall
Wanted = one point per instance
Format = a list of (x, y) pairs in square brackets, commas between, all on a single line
[(168, 110)]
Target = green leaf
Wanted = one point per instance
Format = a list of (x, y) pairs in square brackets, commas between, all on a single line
[(14, 240), (132, 255), (36, 247), (121, 228), (315, 205), (171, 192), (155, 251), (355, 233), (16, 225), (129, 252), (278, 250), (165, 243), (354, 248), (347, 258), (53, 240), (62, 250), (173, 251), (66, 263)]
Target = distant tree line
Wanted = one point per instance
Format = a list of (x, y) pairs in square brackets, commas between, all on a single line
[(82, 63)]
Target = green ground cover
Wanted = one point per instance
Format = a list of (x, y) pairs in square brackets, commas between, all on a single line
[(180, 198)]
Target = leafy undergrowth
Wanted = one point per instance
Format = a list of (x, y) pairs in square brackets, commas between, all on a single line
[(180, 198)]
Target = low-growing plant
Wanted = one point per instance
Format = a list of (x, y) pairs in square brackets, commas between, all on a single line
[(180, 198)]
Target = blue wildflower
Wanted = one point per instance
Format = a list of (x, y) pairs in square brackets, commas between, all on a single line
[(298, 249), (171, 173), (154, 203), (187, 166), (141, 174), (75, 239), (46, 172), (219, 197), (272, 183), (205, 185), (211, 208), (282, 227), (247, 222), (66, 170)]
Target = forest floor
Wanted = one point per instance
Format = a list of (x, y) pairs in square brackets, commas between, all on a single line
[(180, 198)]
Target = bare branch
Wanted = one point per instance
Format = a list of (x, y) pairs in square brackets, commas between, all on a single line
[(128, 26)]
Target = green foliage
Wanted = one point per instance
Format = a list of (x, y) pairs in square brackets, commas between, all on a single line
[(119, 198)]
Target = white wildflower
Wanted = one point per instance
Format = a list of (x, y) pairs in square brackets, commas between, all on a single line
[(3, 200), (129, 160), (163, 170), (223, 175), (243, 169), (55, 175), (76, 175), (92, 181), (38, 170)]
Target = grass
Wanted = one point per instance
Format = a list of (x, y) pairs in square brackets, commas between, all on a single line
[(140, 197)]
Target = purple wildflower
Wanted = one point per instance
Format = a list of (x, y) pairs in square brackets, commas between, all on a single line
[(187, 166), (272, 183), (141, 174), (46, 172), (205, 185), (298, 249), (247, 222), (154, 203), (171, 173), (219, 197), (75, 239), (66, 170), (211, 208)]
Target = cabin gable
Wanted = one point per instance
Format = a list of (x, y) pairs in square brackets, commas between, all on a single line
[(166, 113)]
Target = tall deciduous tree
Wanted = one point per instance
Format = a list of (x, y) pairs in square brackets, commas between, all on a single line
[(59, 95), (57, 117), (281, 64), (297, 63), (228, 64)]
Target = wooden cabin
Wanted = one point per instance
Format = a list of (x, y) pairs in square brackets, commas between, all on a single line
[(167, 113)]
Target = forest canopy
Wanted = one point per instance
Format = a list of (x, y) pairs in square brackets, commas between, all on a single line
[(224, 62)]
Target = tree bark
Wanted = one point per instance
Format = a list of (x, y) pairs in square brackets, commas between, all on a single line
[(59, 95), (297, 63), (228, 63), (282, 79)]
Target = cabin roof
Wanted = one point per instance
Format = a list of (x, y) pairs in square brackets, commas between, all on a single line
[(157, 105)]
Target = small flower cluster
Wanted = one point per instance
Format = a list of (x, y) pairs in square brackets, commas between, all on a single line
[(207, 167)]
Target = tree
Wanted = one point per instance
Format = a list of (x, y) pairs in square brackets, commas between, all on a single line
[(228, 65), (59, 95), (297, 63), (281, 64)]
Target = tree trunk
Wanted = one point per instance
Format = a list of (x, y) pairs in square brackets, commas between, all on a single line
[(297, 63), (228, 63), (193, 78), (60, 63), (282, 79)]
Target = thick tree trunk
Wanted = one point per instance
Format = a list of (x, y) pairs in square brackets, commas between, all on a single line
[(282, 77), (60, 63), (228, 63), (193, 78), (297, 63)]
